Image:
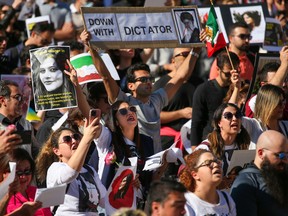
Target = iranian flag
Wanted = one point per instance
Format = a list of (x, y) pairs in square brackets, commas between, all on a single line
[(216, 39)]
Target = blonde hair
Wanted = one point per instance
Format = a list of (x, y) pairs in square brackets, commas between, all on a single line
[(268, 98)]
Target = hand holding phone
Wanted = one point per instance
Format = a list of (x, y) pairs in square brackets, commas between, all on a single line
[(94, 113)]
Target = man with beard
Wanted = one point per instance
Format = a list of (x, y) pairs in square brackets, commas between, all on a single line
[(262, 188), (239, 38)]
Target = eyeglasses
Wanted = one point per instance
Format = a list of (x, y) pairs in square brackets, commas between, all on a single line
[(44, 41), (24, 172), (3, 38), (124, 111), (244, 36), (280, 155), (18, 97), (184, 54), (209, 163), (144, 79), (68, 139), (229, 115)]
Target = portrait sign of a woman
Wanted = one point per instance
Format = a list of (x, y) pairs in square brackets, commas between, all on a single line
[(122, 192), (52, 87)]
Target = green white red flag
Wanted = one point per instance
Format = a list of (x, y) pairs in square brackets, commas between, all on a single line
[(215, 37)]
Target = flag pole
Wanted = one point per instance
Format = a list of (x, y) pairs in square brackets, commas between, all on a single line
[(211, 1)]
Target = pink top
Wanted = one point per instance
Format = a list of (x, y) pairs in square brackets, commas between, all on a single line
[(18, 199)]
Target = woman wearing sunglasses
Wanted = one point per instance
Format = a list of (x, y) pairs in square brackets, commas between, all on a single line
[(28, 208), (228, 134), (201, 176), (61, 160), (122, 138), (25, 168), (125, 141)]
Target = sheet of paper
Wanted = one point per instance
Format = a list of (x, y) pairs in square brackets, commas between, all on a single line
[(51, 196), (241, 157), (185, 131), (10, 178), (155, 161)]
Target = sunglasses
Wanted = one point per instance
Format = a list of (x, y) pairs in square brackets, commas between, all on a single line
[(229, 115), (244, 36), (144, 79), (68, 139), (280, 155), (209, 163), (184, 54), (124, 111), (24, 172), (3, 38), (226, 74), (18, 97)]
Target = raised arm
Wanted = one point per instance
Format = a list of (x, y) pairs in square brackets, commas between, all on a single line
[(183, 73), (110, 84), (281, 73), (170, 116)]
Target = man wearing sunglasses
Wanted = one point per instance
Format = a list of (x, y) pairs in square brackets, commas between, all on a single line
[(261, 188), (11, 101), (239, 39), (139, 82), (41, 35)]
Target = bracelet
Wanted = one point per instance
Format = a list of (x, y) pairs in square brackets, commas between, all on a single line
[(194, 53)]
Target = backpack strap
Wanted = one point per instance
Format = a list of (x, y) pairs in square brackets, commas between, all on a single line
[(227, 200)]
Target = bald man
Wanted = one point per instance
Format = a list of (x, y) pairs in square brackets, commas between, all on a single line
[(262, 188)]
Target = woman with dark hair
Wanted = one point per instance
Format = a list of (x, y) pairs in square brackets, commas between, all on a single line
[(201, 176), (52, 88), (253, 20), (125, 141), (123, 187), (25, 169), (228, 134), (28, 208)]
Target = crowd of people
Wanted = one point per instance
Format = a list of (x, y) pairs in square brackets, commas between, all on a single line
[(160, 90)]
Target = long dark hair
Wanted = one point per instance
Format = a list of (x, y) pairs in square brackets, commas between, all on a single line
[(217, 144), (119, 143)]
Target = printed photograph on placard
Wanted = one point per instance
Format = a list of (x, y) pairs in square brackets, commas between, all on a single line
[(253, 16), (274, 35), (52, 88), (187, 25)]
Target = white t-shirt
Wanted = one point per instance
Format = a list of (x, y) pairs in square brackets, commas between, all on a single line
[(198, 207), (60, 173)]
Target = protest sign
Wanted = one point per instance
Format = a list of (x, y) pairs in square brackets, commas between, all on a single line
[(116, 28), (52, 88)]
